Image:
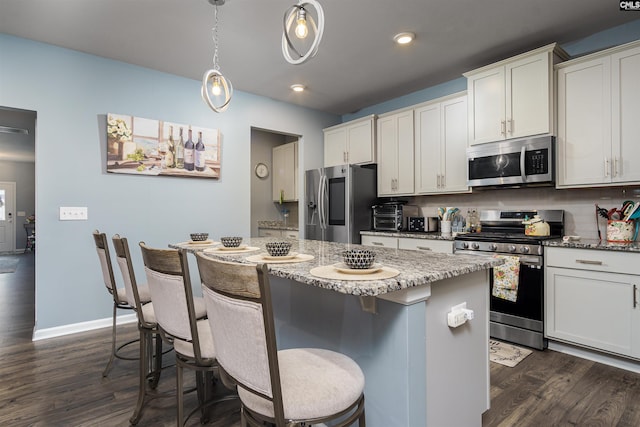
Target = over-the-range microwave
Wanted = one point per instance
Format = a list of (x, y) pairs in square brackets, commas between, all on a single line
[(519, 162)]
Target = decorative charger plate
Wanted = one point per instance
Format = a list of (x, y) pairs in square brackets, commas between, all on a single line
[(280, 259), (240, 249), (232, 248), (202, 243)]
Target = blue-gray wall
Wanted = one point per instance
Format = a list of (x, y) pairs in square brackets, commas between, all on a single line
[(72, 92)]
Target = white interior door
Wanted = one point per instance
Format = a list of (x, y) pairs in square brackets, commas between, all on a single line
[(7, 216)]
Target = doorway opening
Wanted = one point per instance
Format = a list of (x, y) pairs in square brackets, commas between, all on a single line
[(267, 202), (17, 176)]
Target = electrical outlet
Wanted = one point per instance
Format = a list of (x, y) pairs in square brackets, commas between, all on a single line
[(73, 213)]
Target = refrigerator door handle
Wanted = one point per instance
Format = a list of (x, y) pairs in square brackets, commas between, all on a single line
[(325, 201), (321, 201)]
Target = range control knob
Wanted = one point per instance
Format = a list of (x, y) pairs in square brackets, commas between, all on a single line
[(475, 246), (512, 248), (524, 249), (493, 247), (465, 245)]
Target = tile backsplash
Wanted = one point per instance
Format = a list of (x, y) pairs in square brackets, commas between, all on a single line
[(578, 204)]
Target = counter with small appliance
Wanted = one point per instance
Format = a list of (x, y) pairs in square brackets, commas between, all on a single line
[(393, 215)]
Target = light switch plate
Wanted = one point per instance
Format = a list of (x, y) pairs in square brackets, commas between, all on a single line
[(74, 213)]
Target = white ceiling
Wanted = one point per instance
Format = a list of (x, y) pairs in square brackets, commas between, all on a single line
[(357, 64)]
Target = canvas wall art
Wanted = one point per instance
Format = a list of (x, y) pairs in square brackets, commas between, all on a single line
[(140, 146)]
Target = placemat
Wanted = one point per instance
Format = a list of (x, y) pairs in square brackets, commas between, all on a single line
[(231, 251), (330, 272), (298, 258)]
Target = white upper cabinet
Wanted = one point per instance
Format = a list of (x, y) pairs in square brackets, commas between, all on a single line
[(285, 172), (598, 128), (440, 146), (395, 153), (513, 98), (350, 143)]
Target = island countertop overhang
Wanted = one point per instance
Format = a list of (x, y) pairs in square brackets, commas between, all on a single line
[(417, 268)]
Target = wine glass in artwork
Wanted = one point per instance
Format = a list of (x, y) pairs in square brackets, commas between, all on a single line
[(162, 151)]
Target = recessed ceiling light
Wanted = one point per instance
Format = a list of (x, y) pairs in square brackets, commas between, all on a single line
[(404, 38), (297, 88)]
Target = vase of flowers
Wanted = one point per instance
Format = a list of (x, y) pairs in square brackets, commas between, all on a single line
[(119, 139)]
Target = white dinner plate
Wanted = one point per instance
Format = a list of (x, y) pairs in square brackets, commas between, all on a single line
[(290, 255), (344, 268)]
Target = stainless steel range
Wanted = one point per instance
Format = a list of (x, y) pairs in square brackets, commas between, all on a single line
[(517, 318)]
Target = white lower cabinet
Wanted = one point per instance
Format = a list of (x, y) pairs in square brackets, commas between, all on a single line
[(274, 232), (592, 299), (380, 241), (441, 246)]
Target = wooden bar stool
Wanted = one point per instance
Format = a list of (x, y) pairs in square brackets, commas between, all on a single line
[(299, 386), (119, 296), (169, 281)]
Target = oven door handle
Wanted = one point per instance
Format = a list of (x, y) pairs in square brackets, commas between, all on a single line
[(531, 261)]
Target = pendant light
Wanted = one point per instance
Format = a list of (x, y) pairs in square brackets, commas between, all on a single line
[(216, 89), (299, 15)]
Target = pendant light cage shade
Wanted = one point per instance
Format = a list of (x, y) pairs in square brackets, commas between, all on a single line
[(216, 90), (218, 102), (291, 17)]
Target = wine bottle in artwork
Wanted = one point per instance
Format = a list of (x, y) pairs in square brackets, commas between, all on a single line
[(189, 151), (199, 158), (169, 157), (180, 152)]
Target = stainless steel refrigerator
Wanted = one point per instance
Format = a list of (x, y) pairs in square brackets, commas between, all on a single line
[(338, 202)]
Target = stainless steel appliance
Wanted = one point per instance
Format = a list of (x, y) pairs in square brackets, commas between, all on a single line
[(393, 215), (518, 162), (338, 202), (520, 321)]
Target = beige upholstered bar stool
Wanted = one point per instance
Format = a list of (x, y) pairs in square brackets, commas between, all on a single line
[(299, 386), (168, 278), (119, 295), (150, 340)]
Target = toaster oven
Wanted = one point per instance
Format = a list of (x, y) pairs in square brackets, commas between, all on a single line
[(393, 216)]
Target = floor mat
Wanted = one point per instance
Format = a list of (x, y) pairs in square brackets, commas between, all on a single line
[(506, 354), (8, 264)]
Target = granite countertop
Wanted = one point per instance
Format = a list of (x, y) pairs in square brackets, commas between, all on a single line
[(430, 235), (416, 267), (594, 244), (276, 225)]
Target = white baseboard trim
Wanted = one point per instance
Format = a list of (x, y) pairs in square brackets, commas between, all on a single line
[(74, 328), (606, 359)]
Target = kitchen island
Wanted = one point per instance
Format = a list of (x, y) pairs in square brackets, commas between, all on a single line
[(418, 371)]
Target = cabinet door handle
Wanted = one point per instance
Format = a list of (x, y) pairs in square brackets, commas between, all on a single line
[(635, 296), (377, 243), (615, 167), (606, 166), (438, 183), (442, 182), (588, 261), (503, 127), (510, 121), (423, 248)]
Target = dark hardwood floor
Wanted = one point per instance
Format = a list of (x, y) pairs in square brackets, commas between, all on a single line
[(58, 382)]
